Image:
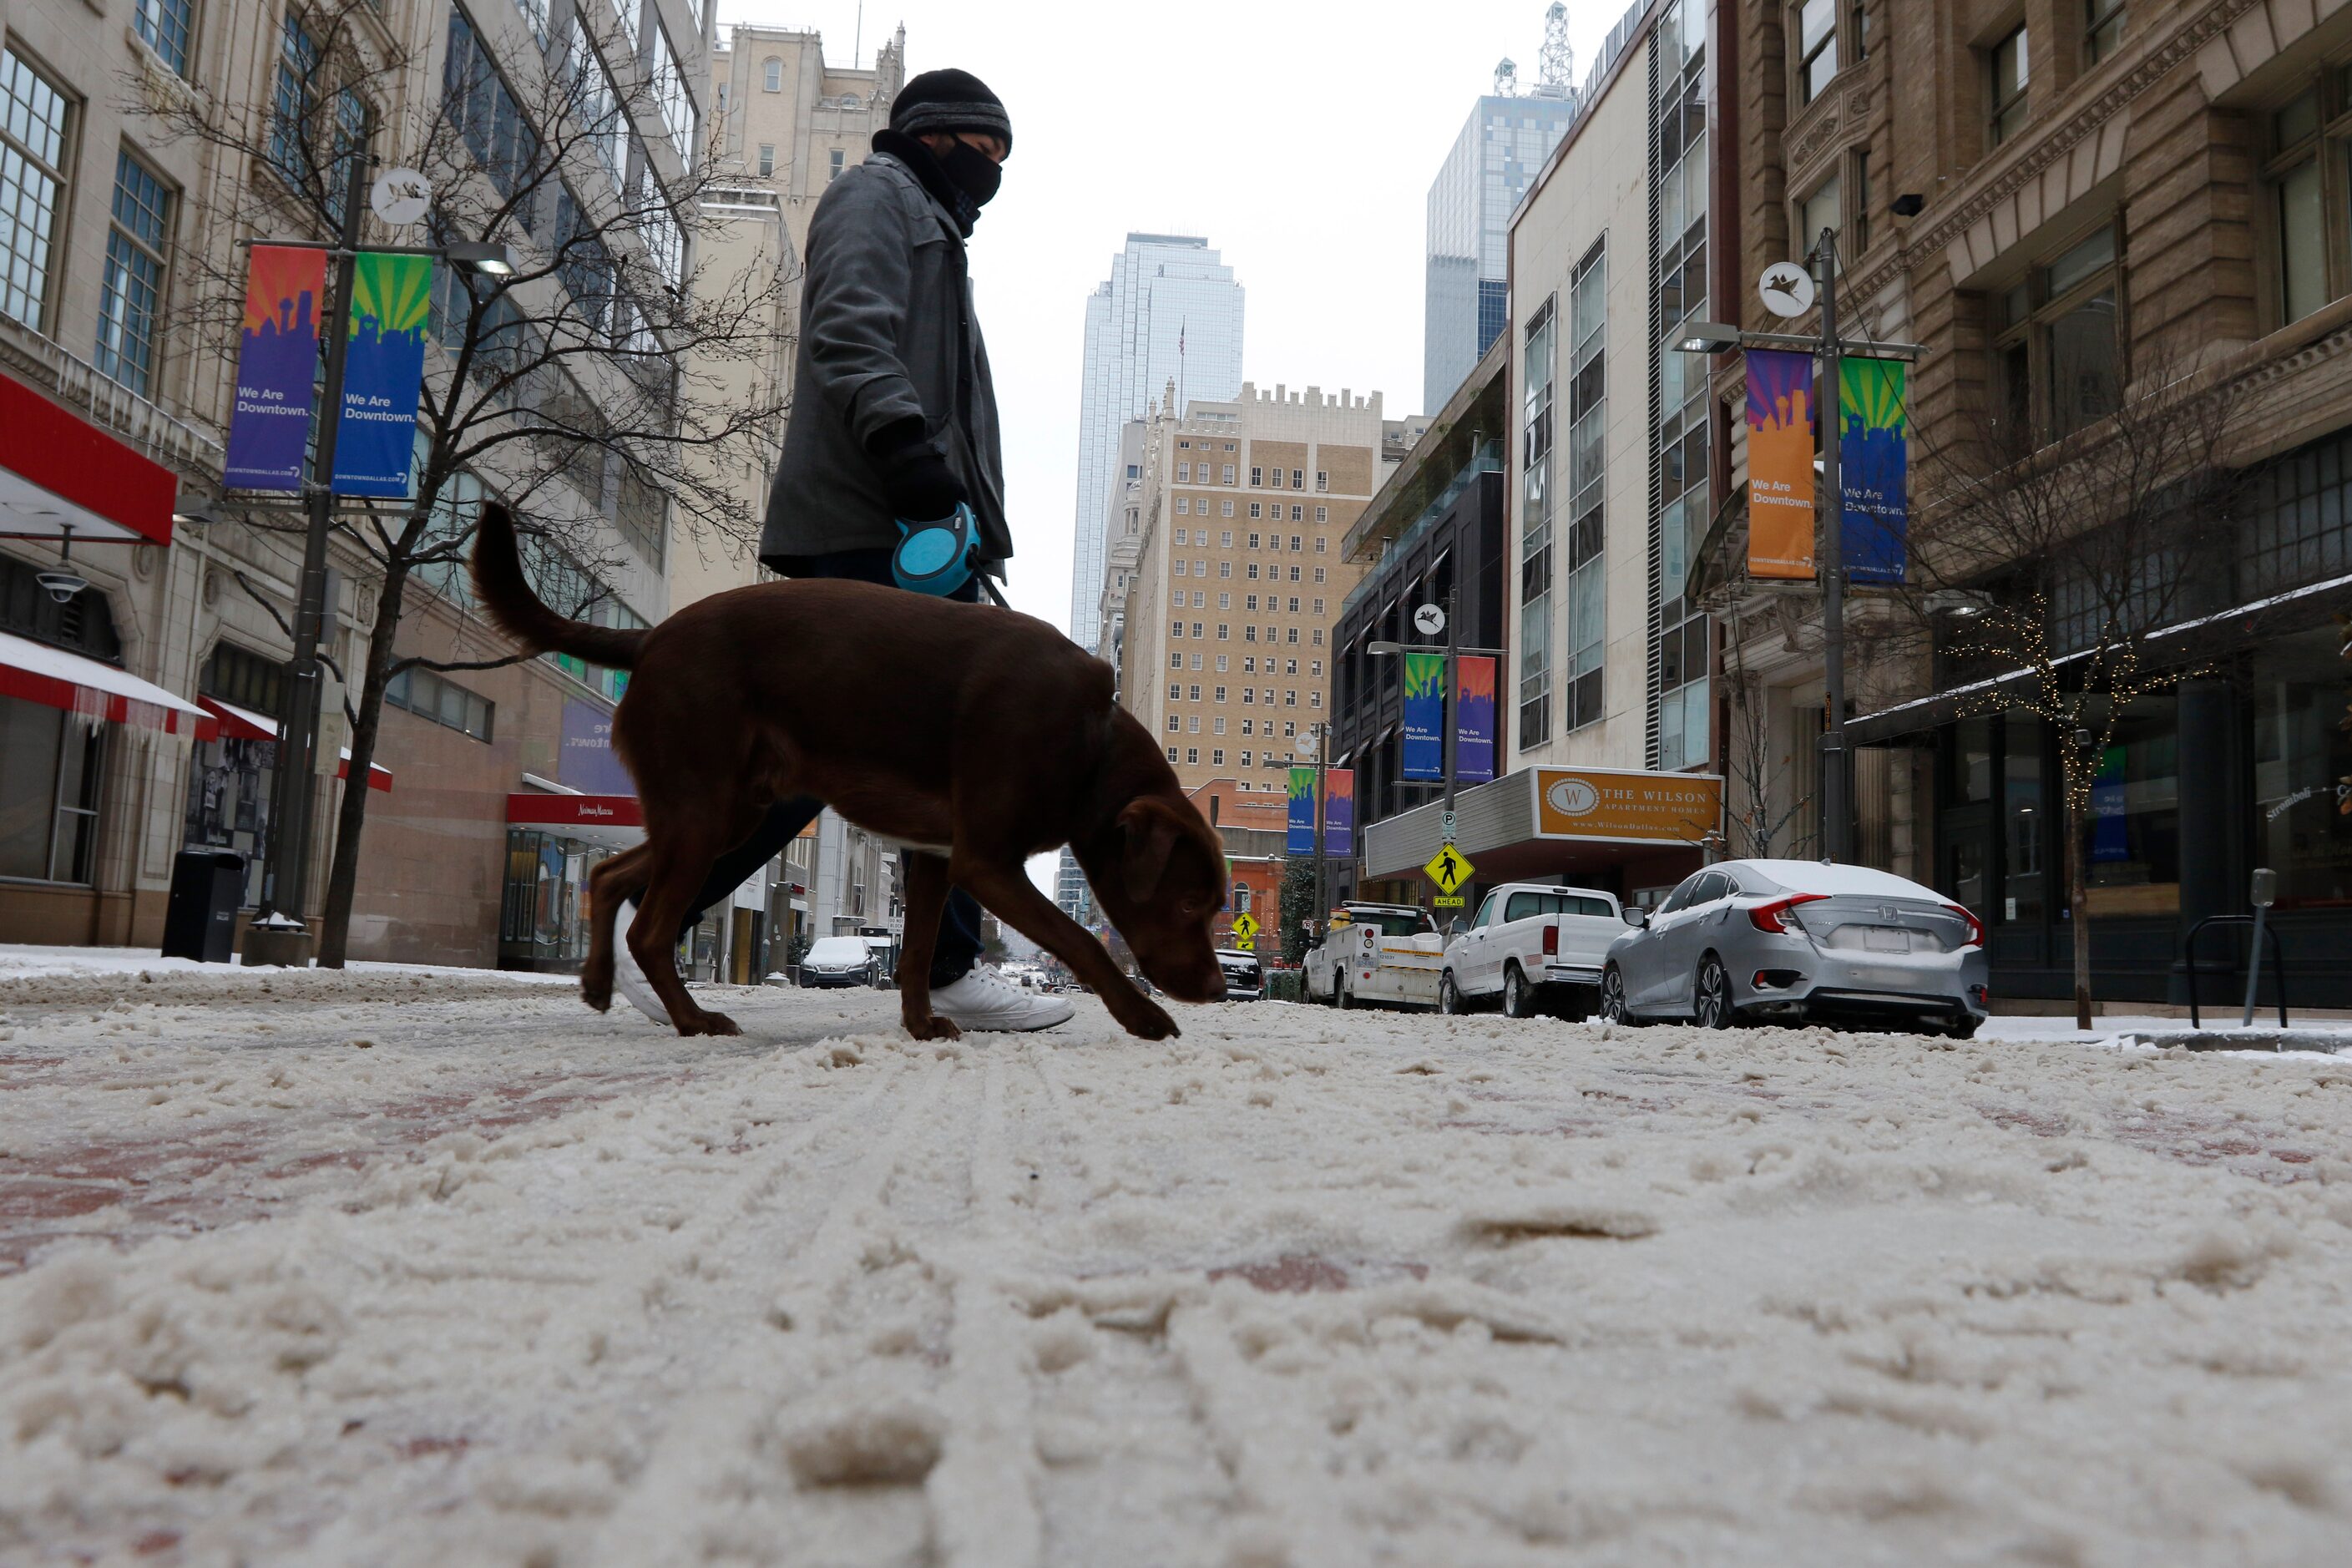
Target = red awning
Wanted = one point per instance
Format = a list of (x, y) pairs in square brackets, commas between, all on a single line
[(245, 724), (58, 471), (53, 678), (608, 821)]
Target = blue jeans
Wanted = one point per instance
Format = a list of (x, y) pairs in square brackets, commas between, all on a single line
[(959, 942)]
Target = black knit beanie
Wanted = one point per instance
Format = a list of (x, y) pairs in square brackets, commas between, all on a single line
[(950, 100)]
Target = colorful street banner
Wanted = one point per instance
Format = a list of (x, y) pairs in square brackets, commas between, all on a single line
[(276, 362), (382, 374), (1874, 469), (1779, 463), (1425, 716), (1340, 811), (1298, 837), (1474, 719)]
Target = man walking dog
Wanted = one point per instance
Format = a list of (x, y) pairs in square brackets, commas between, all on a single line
[(894, 420)]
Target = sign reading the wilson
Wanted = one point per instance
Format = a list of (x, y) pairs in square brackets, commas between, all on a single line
[(1650, 808)]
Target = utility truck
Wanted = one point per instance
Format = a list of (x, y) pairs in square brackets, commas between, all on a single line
[(1377, 954)]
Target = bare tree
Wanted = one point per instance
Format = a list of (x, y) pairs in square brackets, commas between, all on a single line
[(2046, 574), (1757, 826), (581, 387)]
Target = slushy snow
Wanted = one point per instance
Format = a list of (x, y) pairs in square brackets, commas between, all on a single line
[(406, 1268)]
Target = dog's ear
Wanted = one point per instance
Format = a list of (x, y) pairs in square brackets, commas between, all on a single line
[(1147, 838)]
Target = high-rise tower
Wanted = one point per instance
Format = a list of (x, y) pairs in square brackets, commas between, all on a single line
[(1170, 311)]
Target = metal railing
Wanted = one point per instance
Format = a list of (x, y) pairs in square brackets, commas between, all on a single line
[(1486, 458)]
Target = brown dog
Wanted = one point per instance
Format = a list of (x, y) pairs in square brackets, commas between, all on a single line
[(975, 735)]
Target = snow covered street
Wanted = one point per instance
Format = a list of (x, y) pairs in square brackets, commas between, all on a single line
[(386, 1266)]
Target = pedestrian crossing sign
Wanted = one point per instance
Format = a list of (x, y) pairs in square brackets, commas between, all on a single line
[(1244, 929), (1449, 871)]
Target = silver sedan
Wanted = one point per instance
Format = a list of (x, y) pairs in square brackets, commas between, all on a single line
[(1800, 942)]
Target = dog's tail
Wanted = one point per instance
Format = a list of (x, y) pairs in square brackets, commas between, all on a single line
[(507, 594)]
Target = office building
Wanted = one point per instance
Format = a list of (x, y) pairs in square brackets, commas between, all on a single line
[(1495, 158), (1169, 313), (1238, 576)]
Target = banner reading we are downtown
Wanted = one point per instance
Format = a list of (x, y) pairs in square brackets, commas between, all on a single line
[(1874, 469), (384, 370), (1424, 751), (276, 362), (1779, 463), (1474, 718), (1338, 811)]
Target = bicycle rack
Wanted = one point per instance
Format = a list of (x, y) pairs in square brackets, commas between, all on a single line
[(2189, 962)]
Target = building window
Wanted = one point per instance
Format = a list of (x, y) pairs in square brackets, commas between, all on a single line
[(2102, 27), (1298, 478), (50, 768), (2055, 355), (1587, 446), (833, 165), (132, 287), (163, 26), (1192, 754), (1217, 758), (1322, 481), (34, 118), (477, 104), (2008, 84), (676, 104), (1257, 478), (767, 160), (1859, 231), (1678, 638), (1816, 213), (1535, 525), (1817, 50), (1175, 727), (772, 74), (2311, 210)]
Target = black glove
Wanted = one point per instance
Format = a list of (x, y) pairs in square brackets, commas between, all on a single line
[(916, 478)]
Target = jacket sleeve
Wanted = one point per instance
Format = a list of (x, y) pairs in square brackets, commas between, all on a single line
[(860, 267)]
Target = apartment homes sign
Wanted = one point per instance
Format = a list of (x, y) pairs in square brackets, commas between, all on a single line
[(1626, 807)]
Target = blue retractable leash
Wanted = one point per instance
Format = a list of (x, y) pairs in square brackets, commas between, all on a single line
[(936, 558)]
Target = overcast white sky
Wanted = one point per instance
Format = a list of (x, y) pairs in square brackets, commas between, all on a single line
[(1299, 136)]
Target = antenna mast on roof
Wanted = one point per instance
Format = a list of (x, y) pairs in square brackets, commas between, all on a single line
[(1558, 59), (1506, 79)]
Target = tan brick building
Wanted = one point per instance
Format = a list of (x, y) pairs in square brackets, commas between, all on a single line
[(1237, 577), (2091, 187)]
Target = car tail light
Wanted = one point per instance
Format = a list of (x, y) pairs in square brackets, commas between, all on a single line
[(1976, 926), (1551, 942), (1768, 917)]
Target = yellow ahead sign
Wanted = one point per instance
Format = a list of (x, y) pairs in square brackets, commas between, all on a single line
[(1244, 927), (1449, 871), (1244, 944)]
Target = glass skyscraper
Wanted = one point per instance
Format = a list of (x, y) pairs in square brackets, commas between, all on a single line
[(1170, 312), (1501, 149)]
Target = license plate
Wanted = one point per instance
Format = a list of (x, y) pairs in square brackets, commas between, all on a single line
[(1886, 939)]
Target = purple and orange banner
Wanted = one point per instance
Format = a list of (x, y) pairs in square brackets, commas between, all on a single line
[(1779, 463), (1474, 718), (277, 361), (1340, 811)]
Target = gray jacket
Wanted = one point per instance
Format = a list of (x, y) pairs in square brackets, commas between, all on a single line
[(887, 330)]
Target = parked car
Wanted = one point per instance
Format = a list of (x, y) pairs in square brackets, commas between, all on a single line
[(1533, 947), (1800, 940), (838, 961), (1245, 976), (1375, 953)]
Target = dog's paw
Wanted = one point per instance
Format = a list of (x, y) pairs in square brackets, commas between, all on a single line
[(597, 996), (710, 1024), (1151, 1022), (932, 1028)]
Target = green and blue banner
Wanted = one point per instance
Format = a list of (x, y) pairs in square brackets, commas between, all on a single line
[(277, 362), (1298, 837), (383, 371), (1474, 719), (1340, 811), (1425, 716), (1874, 469)]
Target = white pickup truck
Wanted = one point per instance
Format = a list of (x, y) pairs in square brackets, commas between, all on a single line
[(1376, 953), (1535, 946)]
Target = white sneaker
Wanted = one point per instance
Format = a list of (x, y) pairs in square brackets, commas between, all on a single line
[(983, 1001), (628, 978)]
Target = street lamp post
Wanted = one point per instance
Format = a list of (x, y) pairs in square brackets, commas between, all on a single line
[(1711, 338), (1318, 737), (279, 934)]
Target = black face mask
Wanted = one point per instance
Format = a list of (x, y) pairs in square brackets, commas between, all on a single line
[(974, 172)]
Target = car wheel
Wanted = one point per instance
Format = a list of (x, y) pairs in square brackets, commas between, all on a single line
[(1449, 996), (1965, 1028), (1711, 995), (1339, 992), (1612, 997), (1518, 997)]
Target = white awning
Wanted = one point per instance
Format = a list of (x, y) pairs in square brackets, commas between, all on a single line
[(245, 724), (35, 672)]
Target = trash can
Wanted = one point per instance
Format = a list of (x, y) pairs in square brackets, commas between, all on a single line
[(200, 921)]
